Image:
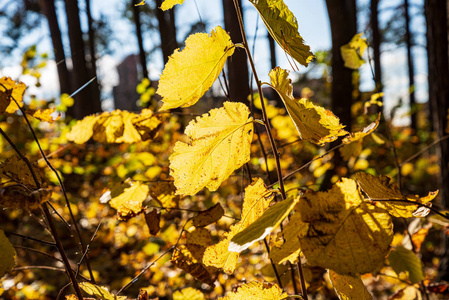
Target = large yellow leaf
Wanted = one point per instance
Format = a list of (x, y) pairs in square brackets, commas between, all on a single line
[(167, 4), (7, 255), (333, 216), (9, 88), (314, 123), (129, 203), (256, 201), (283, 27), (353, 51), (116, 127), (257, 290), (220, 144), (388, 196), (349, 287), (190, 73)]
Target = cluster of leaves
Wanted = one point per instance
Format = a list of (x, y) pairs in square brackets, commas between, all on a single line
[(176, 194)]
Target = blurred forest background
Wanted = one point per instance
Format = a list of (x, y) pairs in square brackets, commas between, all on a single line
[(116, 60)]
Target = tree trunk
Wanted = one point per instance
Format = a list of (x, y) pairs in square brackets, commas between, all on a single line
[(237, 65), (375, 44), (142, 55), (58, 48), (343, 21), (85, 101), (438, 70), (95, 87), (167, 30), (411, 72), (272, 51)]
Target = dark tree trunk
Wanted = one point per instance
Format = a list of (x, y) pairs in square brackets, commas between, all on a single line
[(95, 87), (85, 101), (237, 65), (142, 55), (272, 44), (411, 72), (167, 30), (438, 70), (58, 48), (375, 44), (343, 21)]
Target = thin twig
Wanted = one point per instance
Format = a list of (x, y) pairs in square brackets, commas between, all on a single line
[(30, 238), (36, 251)]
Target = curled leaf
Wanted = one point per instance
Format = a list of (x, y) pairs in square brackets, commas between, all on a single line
[(190, 73), (10, 89), (129, 203), (220, 144)]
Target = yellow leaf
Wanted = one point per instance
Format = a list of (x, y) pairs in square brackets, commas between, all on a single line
[(356, 136), (407, 293), (130, 133), (333, 216), (200, 236), (220, 144), (353, 51), (349, 287), (188, 294), (82, 131), (283, 27), (99, 291), (7, 255), (190, 73), (314, 123), (45, 115), (10, 89), (167, 4), (388, 196), (129, 203), (108, 127), (140, 3), (404, 260), (256, 201), (209, 216), (263, 226), (146, 124), (257, 290), (164, 194)]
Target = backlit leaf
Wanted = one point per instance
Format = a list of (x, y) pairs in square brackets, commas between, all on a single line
[(353, 51), (129, 203), (263, 226), (388, 196), (314, 123), (190, 73), (356, 136), (283, 27), (333, 216), (404, 260), (45, 115), (9, 88), (7, 254), (349, 287), (256, 201), (167, 4), (188, 294), (209, 216), (99, 291), (257, 290), (82, 131), (220, 144)]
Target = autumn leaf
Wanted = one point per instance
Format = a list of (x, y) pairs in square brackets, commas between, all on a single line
[(263, 226), (220, 144), (140, 3), (168, 4), (257, 290), (129, 203), (333, 216), (190, 73), (99, 291), (388, 196), (20, 197), (208, 216), (349, 287), (188, 294), (10, 89), (164, 194), (353, 51), (283, 27), (153, 218), (7, 254), (356, 136), (16, 170), (44, 115), (82, 131), (314, 123), (256, 201), (404, 260)]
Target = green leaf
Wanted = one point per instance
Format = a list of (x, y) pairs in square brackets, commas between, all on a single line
[(349, 287), (7, 254), (262, 227), (404, 260), (99, 291), (283, 27)]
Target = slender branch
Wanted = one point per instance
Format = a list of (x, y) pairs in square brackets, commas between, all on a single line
[(30, 238), (36, 251), (39, 267), (434, 143), (302, 279)]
